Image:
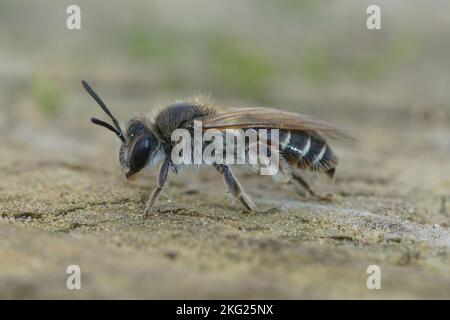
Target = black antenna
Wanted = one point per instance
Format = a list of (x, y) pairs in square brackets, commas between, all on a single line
[(117, 130), (105, 124)]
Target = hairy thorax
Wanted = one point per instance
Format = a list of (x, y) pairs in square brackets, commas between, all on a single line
[(178, 115)]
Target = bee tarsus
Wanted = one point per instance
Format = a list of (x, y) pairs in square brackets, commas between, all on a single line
[(234, 186), (163, 173), (298, 178)]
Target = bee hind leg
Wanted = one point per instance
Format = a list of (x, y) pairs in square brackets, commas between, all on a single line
[(302, 182), (234, 186)]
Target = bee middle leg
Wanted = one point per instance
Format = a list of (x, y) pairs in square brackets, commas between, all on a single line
[(234, 186), (163, 172)]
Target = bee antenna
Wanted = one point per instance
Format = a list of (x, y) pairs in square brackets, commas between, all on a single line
[(107, 126), (117, 130)]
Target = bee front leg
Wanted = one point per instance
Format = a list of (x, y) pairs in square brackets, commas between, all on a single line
[(161, 182), (234, 186)]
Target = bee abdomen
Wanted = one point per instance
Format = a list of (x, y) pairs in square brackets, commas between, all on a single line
[(307, 151)]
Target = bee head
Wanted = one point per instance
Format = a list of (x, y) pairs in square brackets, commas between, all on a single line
[(140, 148), (139, 145)]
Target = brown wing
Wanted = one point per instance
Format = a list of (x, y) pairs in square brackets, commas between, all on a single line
[(234, 118)]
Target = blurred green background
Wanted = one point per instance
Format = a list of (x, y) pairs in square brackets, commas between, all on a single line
[(301, 55)]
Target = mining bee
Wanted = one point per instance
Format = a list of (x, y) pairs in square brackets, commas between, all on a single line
[(147, 142)]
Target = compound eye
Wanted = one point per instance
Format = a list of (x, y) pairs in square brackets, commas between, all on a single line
[(140, 153), (135, 128)]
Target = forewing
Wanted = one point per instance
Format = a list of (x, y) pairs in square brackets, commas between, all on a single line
[(234, 118)]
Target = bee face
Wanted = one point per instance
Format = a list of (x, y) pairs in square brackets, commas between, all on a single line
[(140, 148), (139, 144)]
